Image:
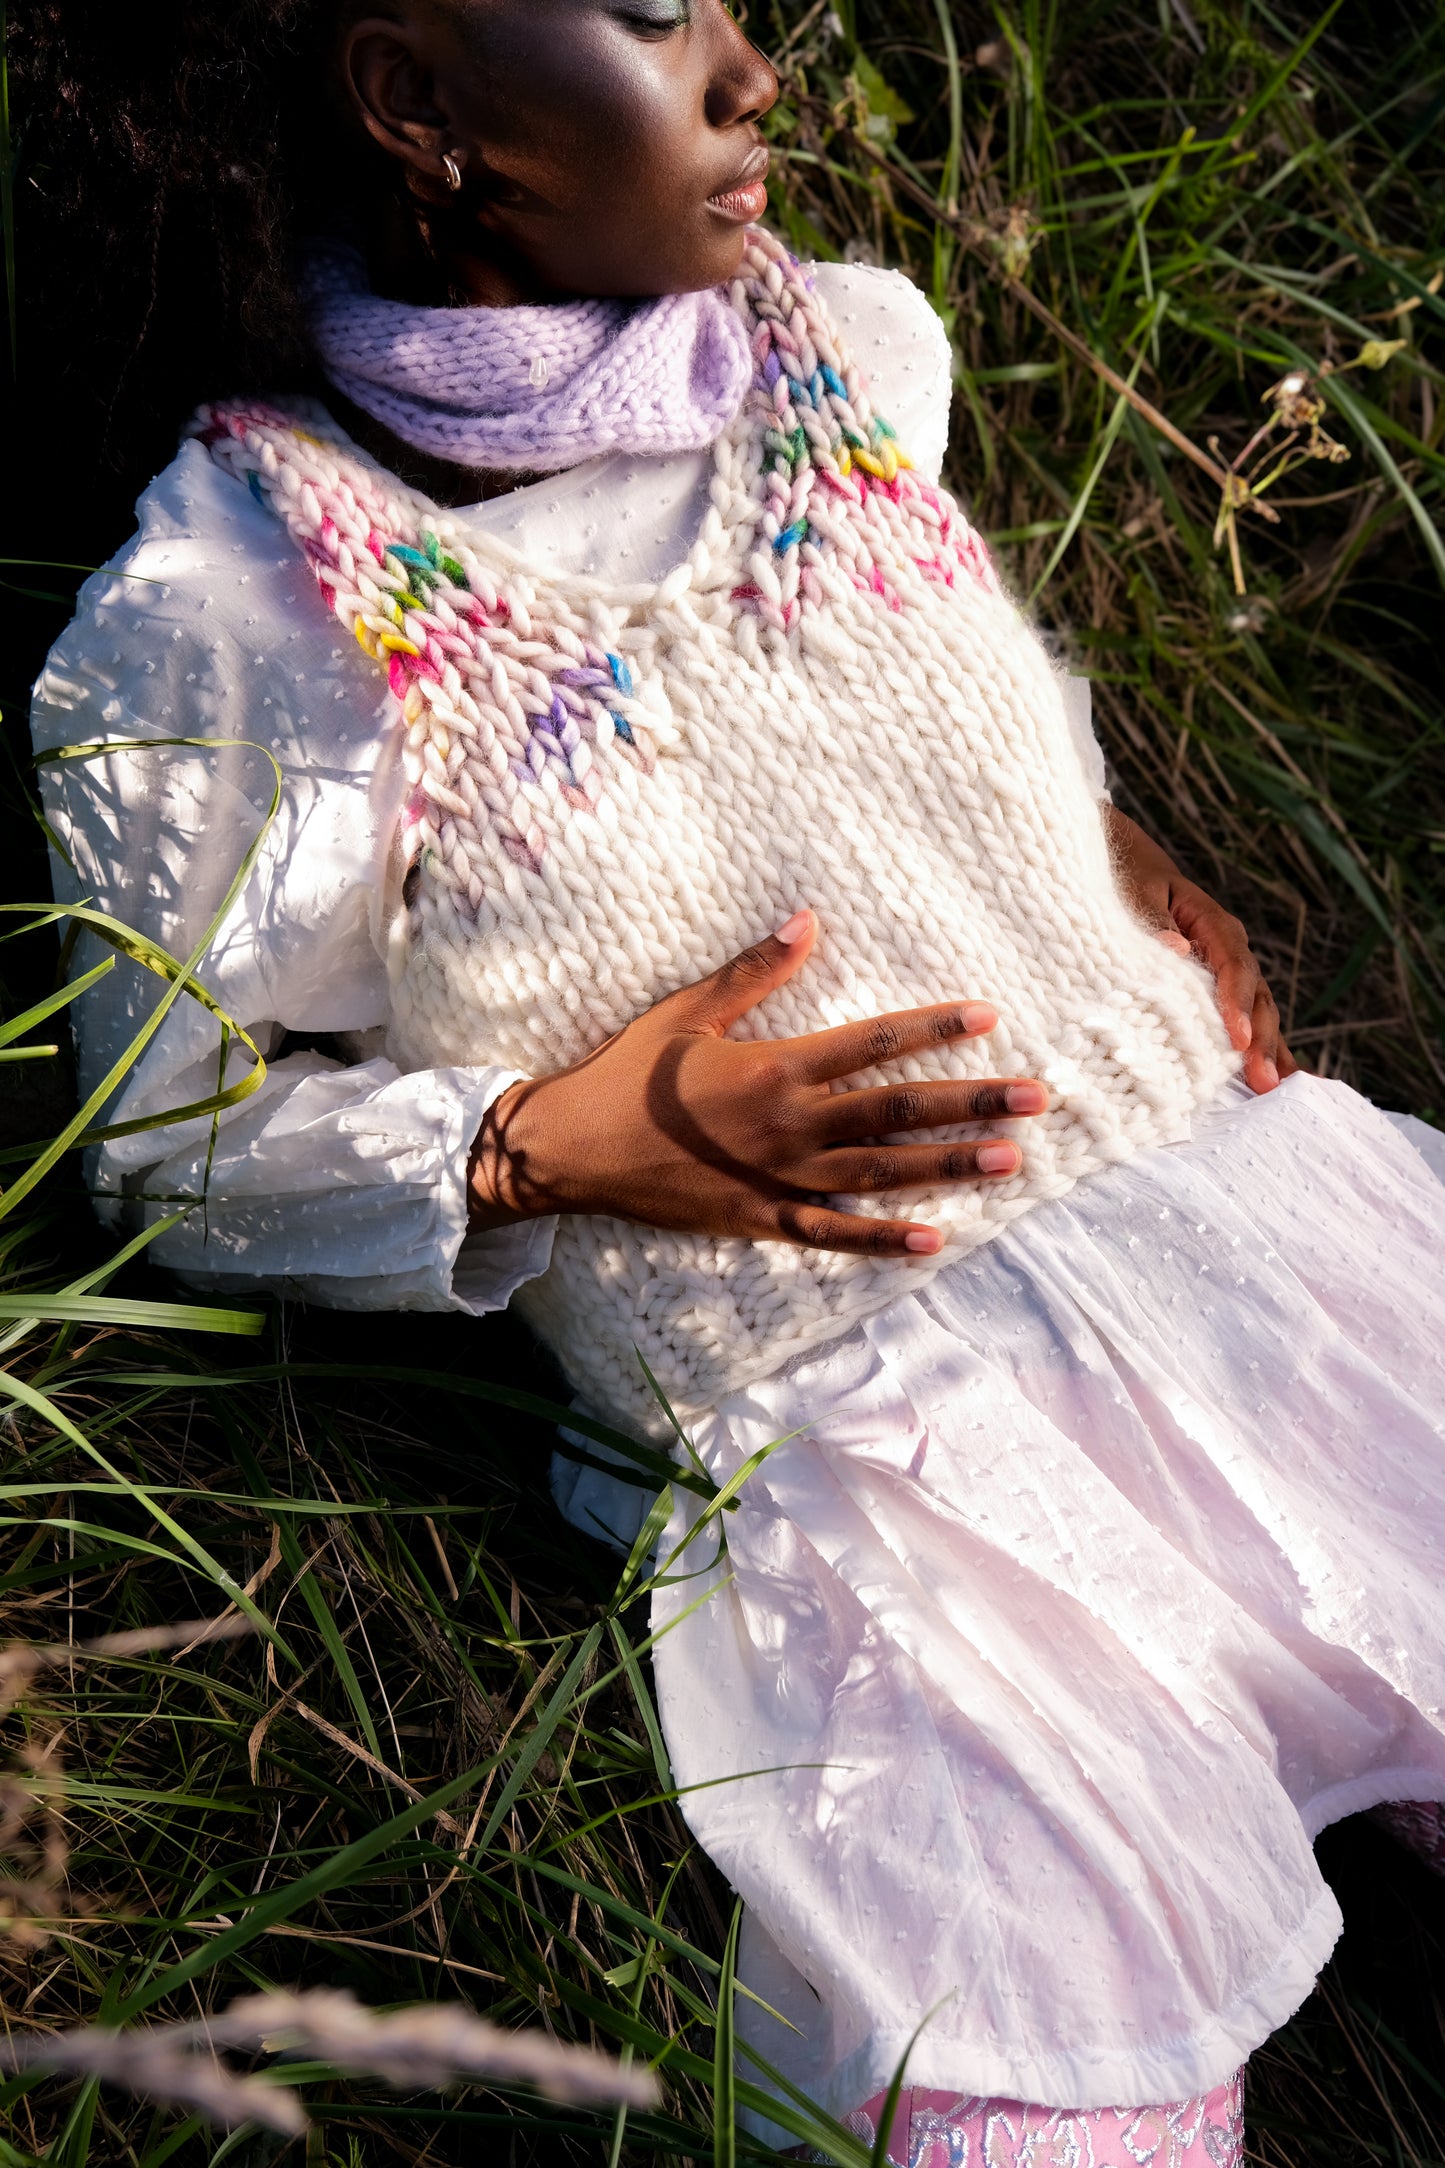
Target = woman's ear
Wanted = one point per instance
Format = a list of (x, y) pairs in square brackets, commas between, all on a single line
[(390, 74)]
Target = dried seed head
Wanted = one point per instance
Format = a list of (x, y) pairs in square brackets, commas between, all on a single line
[(1015, 234), (1295, 400)]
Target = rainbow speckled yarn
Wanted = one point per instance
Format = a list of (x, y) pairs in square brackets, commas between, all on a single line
[(434, 627), (611, 790), (834, 477)]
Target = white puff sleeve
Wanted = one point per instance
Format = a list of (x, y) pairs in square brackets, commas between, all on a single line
[(340, 1178)]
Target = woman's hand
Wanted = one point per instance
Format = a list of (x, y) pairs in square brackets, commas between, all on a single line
[(673, 1125), (1195, 924)]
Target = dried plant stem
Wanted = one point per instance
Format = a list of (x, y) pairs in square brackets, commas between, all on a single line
[(983, 244)]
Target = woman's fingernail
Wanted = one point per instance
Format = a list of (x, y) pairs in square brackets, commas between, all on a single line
[(978, 1018), (998, 1158), (1270, 1074), (1026, 1099), (794, 928), (925, 1241)]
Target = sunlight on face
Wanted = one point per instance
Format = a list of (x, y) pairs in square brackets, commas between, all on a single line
[(606, 146)]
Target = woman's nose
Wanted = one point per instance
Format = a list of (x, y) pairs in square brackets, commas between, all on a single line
[(743, 84)]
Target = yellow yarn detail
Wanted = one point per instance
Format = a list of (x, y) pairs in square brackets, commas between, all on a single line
[(378, 643)]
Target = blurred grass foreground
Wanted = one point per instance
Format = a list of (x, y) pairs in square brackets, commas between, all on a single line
[(1190, 257)]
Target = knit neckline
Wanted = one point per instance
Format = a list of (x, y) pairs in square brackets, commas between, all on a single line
[(710, 558), (796, 465), (815, 515)]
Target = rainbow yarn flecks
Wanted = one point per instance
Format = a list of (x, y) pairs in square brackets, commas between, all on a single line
[(505, 717), (836, 485)]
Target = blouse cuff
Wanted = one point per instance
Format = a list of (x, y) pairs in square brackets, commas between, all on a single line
[(349, 1187), (485, 1270)]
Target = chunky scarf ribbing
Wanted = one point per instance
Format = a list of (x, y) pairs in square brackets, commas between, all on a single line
[(612, 790), (537, 388)]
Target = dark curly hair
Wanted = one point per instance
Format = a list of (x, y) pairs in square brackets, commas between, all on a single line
[(166, 164)]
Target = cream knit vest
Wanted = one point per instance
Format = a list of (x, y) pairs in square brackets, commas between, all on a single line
[(612, 790)]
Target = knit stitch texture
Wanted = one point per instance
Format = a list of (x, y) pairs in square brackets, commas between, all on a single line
[(612, 790), (532, 388)]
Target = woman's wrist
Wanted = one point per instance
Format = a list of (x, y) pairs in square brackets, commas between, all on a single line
[(1136, 852), (503, 1185)]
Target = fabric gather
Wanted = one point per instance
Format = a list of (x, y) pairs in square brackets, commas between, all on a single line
[(532, 388)]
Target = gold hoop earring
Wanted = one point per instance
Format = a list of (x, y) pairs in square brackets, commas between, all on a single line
[(452, 170)]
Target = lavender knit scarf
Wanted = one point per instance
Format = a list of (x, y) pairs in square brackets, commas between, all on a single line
[(537, 388)]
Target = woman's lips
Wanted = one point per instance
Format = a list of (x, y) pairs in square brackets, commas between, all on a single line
[(746, 198), (746, 203)]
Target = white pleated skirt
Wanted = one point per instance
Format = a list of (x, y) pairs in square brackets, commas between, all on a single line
[(1104, 1572)]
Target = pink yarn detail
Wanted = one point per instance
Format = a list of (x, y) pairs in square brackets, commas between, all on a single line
[(536, 700), (959, 2130)]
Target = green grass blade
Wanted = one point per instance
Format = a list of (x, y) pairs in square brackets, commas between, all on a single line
[(1101, 459), (724, 2071), (42, 1405), (337, 1872), (18, 1024), (116, 1310), (655, 1464), (541, 1737), (1341, 395), (180, 976)]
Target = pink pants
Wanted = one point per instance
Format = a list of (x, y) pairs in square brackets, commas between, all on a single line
[(953, 2130), (958, 2130)]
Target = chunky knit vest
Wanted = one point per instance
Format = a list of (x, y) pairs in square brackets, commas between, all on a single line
[(612, 790)]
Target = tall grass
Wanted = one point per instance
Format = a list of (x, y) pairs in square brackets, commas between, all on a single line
[(432, 1766)]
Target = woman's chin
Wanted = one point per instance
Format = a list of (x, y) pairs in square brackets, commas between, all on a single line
[(716, 259)]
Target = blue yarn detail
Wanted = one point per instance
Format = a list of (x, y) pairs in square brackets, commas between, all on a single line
[(833, 381), (254, 481), (621, 675), (422, 574), (792, 534), (808, 389), (624, 730)]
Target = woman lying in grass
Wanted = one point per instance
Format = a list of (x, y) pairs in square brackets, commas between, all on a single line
[(723, 946)]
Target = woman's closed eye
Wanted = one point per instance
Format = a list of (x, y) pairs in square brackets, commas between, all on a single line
[(655, 18)]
